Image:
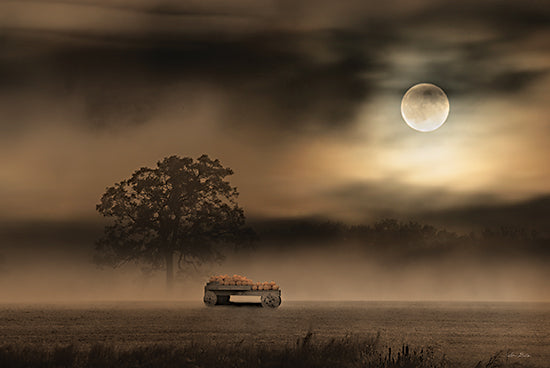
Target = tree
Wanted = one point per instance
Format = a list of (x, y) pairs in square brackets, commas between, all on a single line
[(183, 209)]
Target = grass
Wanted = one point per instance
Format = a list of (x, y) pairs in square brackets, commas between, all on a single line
[(348, 351)]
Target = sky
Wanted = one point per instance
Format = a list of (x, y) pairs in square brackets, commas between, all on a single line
[(300, 98)]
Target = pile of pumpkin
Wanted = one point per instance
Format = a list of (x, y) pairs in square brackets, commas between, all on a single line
[(242, 280)]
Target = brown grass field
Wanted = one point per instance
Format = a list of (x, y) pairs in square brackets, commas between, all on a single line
[(298, 334)]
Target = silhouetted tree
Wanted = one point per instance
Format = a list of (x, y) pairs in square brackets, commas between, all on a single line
[(182, 209)]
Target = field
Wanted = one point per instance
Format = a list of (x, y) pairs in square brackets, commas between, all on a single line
[(465, 333)]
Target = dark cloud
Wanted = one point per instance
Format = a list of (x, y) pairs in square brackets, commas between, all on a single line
[(127, 84), (510, 17), (301, 80), (485, 39), (175, 9)]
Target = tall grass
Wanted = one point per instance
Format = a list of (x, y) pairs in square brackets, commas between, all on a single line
[(348, 351)]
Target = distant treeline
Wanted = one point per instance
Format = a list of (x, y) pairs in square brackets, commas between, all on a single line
[(383, 235), (391, 233)]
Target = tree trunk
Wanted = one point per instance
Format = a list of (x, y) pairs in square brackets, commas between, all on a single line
[(169, 272)]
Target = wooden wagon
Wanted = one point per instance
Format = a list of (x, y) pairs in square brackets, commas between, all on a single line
[(218, 294)]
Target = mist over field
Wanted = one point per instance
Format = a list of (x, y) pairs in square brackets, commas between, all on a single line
[(323, 262)]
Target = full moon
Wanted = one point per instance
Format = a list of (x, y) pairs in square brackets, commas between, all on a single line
[(425, 107)]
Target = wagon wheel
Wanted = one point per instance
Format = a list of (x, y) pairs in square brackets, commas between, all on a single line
[(210, 298), (271, 301)]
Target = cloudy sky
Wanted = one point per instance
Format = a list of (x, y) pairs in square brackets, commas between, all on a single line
[(300, 98)]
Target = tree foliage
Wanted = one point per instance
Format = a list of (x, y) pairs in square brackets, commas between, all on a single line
[(183, 209)]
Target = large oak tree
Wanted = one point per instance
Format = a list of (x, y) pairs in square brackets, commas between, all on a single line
[(183, 211)]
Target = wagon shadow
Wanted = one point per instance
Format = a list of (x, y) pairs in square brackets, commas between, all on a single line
[(231, 304)]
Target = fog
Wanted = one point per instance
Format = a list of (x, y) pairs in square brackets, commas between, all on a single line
[(66, 273)]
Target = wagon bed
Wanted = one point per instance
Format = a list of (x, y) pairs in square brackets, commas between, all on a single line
[(218, 294)]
